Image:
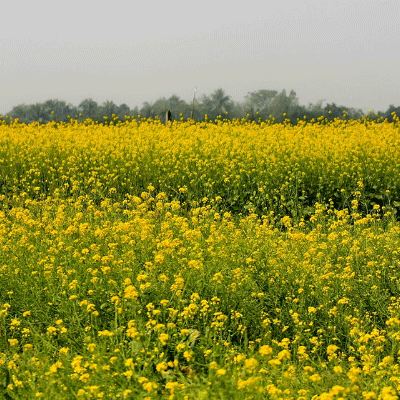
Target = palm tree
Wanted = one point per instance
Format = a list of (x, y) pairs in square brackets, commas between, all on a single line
[(216, 104)]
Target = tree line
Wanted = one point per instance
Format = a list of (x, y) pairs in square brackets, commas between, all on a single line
[(258, 105)]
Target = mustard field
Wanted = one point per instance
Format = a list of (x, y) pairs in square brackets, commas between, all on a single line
[(227, 260)]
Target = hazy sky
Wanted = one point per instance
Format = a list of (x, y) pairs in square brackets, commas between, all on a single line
[(347, 52)]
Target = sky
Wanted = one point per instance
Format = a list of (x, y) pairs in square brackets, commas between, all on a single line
[(346, 52)]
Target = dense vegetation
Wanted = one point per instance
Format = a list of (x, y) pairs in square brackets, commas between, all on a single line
[(200, 260), (261, 104)]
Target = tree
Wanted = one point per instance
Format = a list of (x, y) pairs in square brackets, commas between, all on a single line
[(37, 112), (108, 109), (178, 106), (135, 112), (216, 104), (283, 104), (89, 109), (160, 106), (59, 110), (260, 101), (392, 109), (21, 112), (333, 111), (313, 111), (221, 103), (123, 110), (241, 110), (147, 110)]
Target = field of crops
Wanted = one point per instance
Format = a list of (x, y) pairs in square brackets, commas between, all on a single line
[(228, 260)]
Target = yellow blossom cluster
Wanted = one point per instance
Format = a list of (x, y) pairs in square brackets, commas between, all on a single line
[(198, 261)]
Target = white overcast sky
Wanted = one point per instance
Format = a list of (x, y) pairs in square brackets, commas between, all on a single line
[(347, 52)]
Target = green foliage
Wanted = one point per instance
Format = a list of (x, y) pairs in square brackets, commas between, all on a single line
[(260, 105)]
